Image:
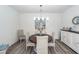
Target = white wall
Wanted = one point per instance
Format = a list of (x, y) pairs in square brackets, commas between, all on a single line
[(69, 15), (53, 24), (8, 25)]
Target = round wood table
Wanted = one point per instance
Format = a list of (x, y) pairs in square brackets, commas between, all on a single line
[(33, 39)]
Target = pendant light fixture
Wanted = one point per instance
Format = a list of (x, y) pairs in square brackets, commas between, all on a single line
[(40, 22)]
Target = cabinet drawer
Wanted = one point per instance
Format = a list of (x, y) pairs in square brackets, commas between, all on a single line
[(76, 47), (71, 39), (75, 40), (63, 36)]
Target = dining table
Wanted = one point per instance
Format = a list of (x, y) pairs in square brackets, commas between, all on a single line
[(33, 38)]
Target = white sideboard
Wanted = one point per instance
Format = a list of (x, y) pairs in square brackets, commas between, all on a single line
[(71, 39)]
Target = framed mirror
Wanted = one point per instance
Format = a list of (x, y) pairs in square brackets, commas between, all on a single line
[(75, 20)]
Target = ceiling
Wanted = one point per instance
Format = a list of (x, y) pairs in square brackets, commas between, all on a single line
[(45, 8)]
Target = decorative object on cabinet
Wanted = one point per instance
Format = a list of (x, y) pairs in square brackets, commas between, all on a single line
[(75, 28)]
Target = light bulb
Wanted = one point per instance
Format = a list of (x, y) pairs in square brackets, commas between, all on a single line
[(34, 18), (47, 18), (43, 18), (38, 18)]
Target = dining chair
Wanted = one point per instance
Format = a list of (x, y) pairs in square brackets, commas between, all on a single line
[(52, 44), (28, 43), (21, 35), (42, 45)]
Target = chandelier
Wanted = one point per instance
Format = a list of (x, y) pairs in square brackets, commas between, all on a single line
[(40, 22), (41, 17)]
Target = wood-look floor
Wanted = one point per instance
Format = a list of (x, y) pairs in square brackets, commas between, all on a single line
[(62, 48), (19, 48)]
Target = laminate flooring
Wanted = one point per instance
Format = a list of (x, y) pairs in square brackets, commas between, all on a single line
[(19, 48)]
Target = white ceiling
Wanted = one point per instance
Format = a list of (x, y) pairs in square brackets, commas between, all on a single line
[(45, 8)]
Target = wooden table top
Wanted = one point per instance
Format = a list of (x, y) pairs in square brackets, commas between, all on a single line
[(33, 39)]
